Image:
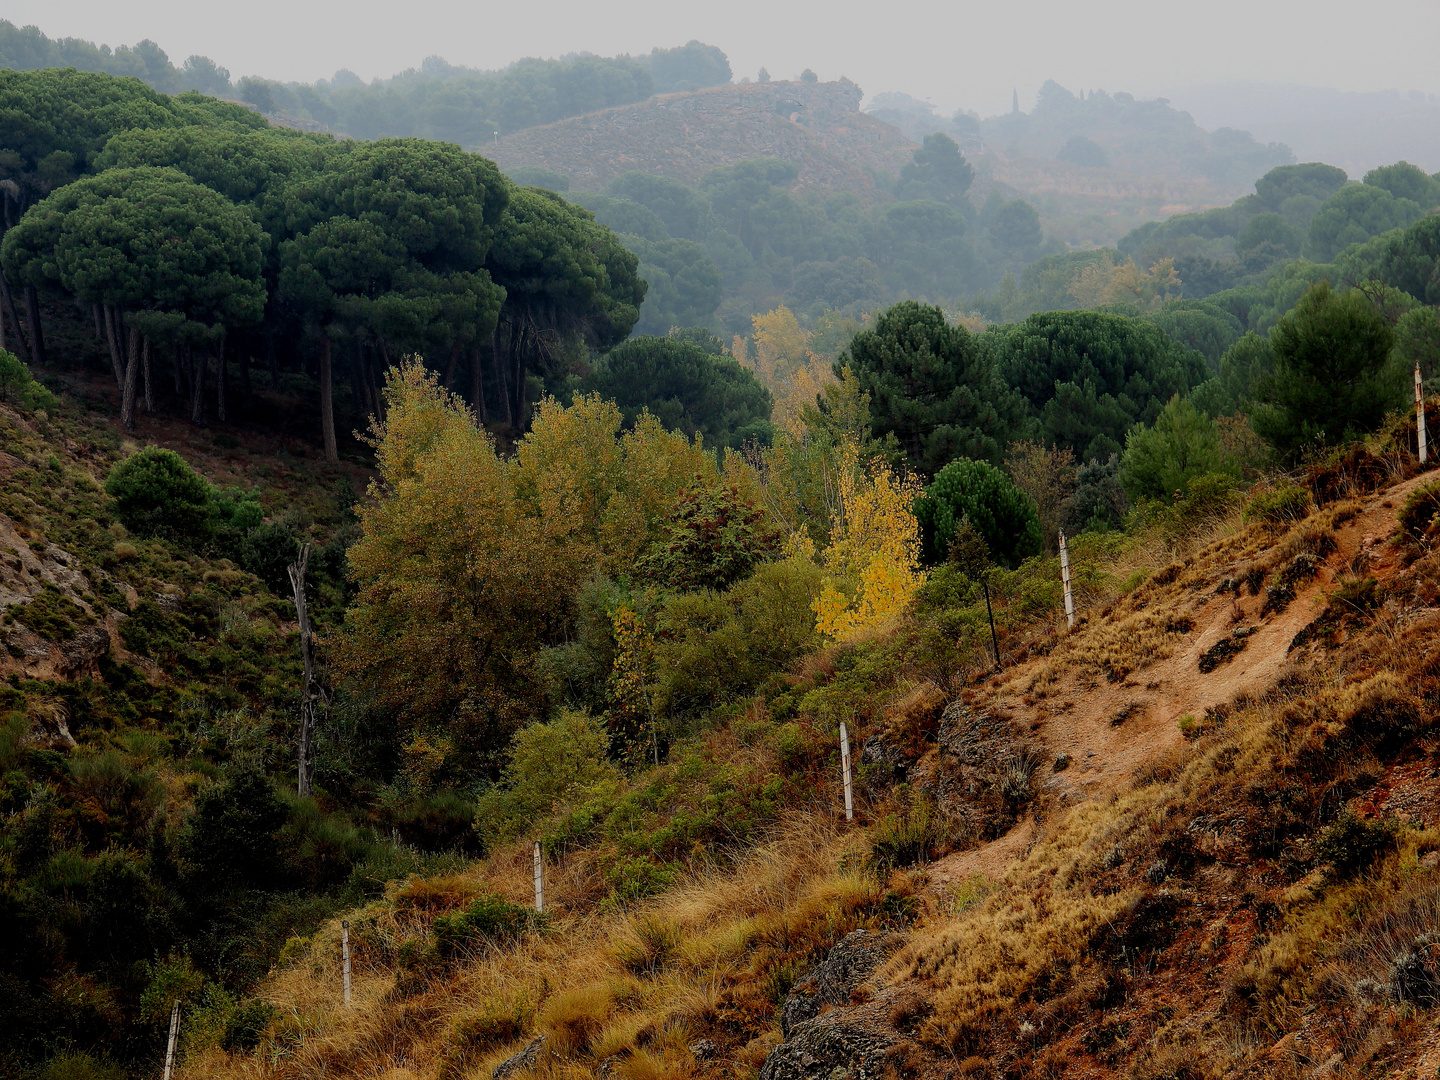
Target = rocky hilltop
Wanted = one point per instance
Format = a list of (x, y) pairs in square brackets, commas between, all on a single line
[(818, 127)]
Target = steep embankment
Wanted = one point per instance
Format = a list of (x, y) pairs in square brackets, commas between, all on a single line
[(1173, 861), (817, 127)]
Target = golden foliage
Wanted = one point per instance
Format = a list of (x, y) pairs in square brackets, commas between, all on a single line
[(1107, 282), (467, 561), (873, 557), (787, 365)]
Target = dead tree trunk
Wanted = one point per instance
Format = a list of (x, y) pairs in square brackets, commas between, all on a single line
[(305, 770)]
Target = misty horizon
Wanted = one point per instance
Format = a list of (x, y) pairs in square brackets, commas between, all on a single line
[(1121, 48)]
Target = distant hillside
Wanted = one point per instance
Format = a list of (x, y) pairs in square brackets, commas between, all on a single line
[(817, 127), (1356, 131)]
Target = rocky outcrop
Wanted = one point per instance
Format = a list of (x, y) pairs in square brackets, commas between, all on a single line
[(522, 1061), (825, 1049), (849, 963)]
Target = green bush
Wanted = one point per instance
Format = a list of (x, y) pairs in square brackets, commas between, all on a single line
[(1286, 504), (1352, 843), (1420, 517), (75, 1066), (157, 493), (230, 840), (19, 388), (1161, 460), (713, 538), (552, 762), (720, 646), (1003, 515), (490, 919), (635, 879), (246, 1025)]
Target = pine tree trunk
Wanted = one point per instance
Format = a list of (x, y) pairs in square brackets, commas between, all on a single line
[(149, 392), (450, 367), (115, 341), (197, 387), (246, 392), (132, 373), (502, 377), (22, 347), (477, 384), (327, 401), (99, 328), (32, 316), (222, 373)]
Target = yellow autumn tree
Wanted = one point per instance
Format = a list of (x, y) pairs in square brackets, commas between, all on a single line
[(1108, 282), (457, 579), (785, 362), (873, 557), (469, 563)]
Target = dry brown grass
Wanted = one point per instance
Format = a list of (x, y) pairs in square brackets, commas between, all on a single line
[(631, 986)]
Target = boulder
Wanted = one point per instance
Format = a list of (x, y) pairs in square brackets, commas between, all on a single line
[(525, 1059), (852, 960), (823, 1049)]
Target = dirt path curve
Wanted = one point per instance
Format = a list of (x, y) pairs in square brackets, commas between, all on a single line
[(1110, 730)]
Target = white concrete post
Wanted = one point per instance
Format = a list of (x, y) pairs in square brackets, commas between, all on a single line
[(1420, 413), (845, 771), (539, 879), (170, 1043), (1065, 578), (345, 956)]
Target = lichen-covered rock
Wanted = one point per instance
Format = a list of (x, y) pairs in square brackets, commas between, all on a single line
[(525, 1059), (86, 647), (877, 752), (824, 1049), (852, 960)]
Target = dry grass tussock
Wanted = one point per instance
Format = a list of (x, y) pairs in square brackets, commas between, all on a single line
[(633, 986)]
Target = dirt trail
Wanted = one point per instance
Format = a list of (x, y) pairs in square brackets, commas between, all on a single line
[(1109, 730)]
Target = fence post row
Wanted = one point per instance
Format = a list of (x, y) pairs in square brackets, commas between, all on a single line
[(1065, 578), (539, 880), (345, 956), (845, 771)]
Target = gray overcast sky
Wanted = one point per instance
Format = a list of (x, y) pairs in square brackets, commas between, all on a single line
[(955, 54)]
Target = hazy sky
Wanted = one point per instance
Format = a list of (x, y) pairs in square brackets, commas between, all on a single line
[(955, 54)]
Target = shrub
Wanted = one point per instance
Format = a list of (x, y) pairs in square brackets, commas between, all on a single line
[(247, 1024), (635, 879), (76, 1066), (156, 493), (713, 538), (563, 759), (1099, 503), (1420, 516), (230, 840), (1161, 460), (1003, 515), (1285, 505), (490, 919), (1352, 843), (722, 646), (18, 387)]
